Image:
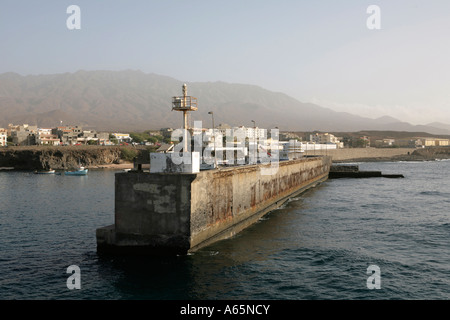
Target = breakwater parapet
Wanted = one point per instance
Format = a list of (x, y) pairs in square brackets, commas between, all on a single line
[(180, 213), (385, 154), (65, 157)]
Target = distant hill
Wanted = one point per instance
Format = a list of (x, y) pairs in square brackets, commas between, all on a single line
[(375, 134), (439, 125), (133, 100)]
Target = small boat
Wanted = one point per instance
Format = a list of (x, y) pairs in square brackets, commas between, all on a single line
[(45, 172), (80, 171)]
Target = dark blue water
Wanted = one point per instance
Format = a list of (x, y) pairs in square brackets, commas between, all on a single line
[(317, 246)]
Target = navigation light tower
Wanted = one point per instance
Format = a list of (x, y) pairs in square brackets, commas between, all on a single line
[(184, 103)]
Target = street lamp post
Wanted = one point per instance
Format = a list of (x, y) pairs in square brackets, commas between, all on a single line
[(254, 141), (214, 136)]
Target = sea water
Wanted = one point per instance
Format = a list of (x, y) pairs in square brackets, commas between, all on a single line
[(320, 245)]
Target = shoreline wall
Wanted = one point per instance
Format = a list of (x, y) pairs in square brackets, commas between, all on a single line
[(363, 153)]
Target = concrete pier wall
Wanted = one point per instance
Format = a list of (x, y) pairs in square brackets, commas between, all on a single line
[(184, 212), (225, 202)]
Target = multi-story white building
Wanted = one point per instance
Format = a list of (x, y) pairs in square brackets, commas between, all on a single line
[(44, 136), (47, 139), (326, 138), (251, 133)]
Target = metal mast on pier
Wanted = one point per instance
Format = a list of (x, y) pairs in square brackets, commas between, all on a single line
[(184, 103)]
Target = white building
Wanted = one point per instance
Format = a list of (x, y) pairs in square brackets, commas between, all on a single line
[(44, 136), (47, 139), (251, 132), (214, 144), (44, 131), (122, 137), (3, 137), (326, 138), (308, 146), (211, 137), (290, 150)]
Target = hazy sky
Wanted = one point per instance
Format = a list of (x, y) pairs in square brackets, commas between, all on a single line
[(317, 51)]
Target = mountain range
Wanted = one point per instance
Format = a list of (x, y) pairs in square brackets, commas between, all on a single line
[(132, 100)]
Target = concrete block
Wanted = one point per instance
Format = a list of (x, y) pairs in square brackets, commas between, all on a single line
[(170, 162)]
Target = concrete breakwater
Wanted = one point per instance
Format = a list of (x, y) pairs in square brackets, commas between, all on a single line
[(180, 213), (385, 154), (66, 157), (347, 171)]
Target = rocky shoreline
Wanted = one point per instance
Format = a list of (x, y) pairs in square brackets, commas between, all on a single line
[(68, 157)]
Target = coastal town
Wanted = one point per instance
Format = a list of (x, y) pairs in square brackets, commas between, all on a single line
[(70, 135)]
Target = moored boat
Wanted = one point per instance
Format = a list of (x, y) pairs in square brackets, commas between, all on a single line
[(80, 171), (45, 172)]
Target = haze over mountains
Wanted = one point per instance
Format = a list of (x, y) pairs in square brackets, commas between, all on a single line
[(133, 101)]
